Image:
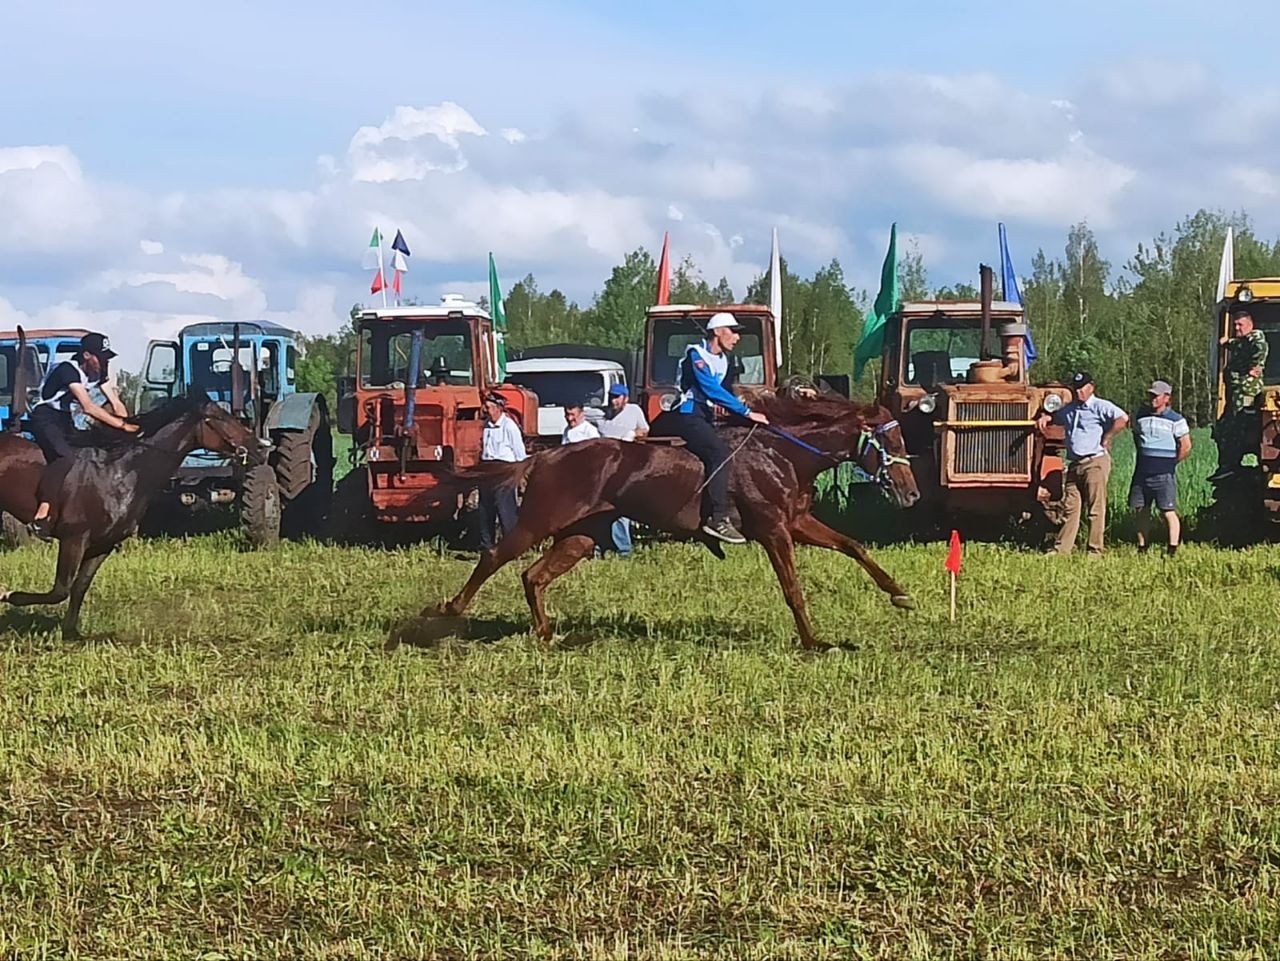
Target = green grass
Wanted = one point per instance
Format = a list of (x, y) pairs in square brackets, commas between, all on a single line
[(1085, 765)]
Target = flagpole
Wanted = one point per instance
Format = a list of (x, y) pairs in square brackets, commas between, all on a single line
[(953, 597), (381, 271)]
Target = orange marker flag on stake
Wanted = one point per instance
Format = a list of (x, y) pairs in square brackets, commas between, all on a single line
[(953, 566)]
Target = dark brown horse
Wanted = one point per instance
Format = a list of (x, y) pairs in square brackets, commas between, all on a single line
[(574, 492), (107, 488)]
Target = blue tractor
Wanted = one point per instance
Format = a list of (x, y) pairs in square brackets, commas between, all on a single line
[(25, 356), (250, 368)]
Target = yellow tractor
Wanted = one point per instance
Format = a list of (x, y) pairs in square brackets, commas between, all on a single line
[(1255, 482)]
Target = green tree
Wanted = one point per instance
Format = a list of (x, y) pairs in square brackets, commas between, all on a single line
[(913, 279), (617, 315)]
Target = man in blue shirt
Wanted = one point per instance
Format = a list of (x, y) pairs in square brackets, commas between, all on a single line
[(702, 382), (1163, 441), (1091, 425)]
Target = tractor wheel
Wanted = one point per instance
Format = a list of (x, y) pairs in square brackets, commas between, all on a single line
[(13, 533), (303, 462), (260, 506), (350, 518)]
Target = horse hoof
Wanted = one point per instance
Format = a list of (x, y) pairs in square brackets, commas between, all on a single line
[(904, 601)]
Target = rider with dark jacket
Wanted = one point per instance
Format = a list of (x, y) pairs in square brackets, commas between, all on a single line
[(64, 392), (704, 371)]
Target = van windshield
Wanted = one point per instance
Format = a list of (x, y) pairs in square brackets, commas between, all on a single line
[(558, 388)]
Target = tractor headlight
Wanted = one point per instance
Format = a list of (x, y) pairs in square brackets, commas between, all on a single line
[(669, 401), (1244, 295), (927, 404), (1052, 402)]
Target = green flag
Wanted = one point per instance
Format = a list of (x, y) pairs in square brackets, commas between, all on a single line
[(499, 314), (872, 342)]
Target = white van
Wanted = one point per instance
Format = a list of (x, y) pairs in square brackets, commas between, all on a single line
[(560, 381)]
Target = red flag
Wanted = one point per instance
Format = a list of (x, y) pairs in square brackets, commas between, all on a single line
[(664, 274), (953, 555), (378, 282), (395, 283)]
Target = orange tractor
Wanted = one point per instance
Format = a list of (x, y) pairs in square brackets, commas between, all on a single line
[(671, 328), (414, 407)]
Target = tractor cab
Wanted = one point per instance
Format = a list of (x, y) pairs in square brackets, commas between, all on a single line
[(415, 402), (44, 349), (955, 376), (671, 328)]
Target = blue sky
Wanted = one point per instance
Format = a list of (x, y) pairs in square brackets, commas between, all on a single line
[(176, 161)]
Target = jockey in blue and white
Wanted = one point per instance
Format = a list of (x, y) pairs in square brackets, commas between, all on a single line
[(704, 371)]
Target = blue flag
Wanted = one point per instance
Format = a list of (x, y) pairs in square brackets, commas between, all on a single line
[(400, 245), (1009, 284)]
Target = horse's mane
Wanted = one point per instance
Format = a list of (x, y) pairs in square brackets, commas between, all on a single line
[(149, 422), (814, 410)]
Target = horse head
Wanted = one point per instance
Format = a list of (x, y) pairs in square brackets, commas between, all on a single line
[(219, 431), (882, 453)]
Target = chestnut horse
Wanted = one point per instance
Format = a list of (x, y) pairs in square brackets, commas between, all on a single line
[(573, 493), (107, 488)]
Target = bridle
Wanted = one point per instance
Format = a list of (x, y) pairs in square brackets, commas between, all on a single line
[(241, 452), (871, 438)]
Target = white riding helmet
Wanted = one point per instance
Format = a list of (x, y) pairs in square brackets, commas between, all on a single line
[(722, 319)]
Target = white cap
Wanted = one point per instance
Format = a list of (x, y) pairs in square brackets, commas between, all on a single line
[(722, 319)]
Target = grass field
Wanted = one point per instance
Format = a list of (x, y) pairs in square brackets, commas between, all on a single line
[(1085, 765)]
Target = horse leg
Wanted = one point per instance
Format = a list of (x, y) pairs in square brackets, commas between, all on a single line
[(812, 532), (782, 555), (70, 553), (559, 560), (80, 587), (512, 545)]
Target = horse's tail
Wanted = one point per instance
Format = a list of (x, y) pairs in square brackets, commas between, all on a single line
[(18, 408), (490, 475)]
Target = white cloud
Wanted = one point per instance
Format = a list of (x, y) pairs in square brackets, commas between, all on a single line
[(411, 143), (151, 247), (513, 135)]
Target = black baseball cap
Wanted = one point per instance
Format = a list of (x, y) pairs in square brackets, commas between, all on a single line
[(1080, 378), (98, 345)]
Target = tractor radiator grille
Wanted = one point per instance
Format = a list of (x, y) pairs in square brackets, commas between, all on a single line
[(992, 450)]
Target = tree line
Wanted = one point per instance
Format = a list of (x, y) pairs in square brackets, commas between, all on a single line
[(1150, 318)]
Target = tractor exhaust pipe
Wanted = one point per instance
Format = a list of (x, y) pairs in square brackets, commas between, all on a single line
[(411, 398), (237, 375), (984, 274)]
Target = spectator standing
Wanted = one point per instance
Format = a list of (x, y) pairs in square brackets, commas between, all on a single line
[(577, 428), (1091, 425), (622, 421), (1163, 441), (501, 440)]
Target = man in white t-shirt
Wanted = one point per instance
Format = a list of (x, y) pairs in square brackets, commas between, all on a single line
[(579, 428), (622, 421)]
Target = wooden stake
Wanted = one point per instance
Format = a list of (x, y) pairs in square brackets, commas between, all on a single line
[(953, 597)]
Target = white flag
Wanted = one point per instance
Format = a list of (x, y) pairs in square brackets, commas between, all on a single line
[(775, 298), (399, 263), (1227, 269)]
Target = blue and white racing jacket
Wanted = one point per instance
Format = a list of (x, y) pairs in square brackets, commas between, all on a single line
[(702, 377)]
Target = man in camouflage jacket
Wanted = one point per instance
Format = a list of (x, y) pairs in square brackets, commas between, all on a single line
[(1237, 428)]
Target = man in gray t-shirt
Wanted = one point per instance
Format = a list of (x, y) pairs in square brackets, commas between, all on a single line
[(622, 421)]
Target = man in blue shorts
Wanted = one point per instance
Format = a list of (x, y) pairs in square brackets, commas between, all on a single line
[(1163, 440)]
